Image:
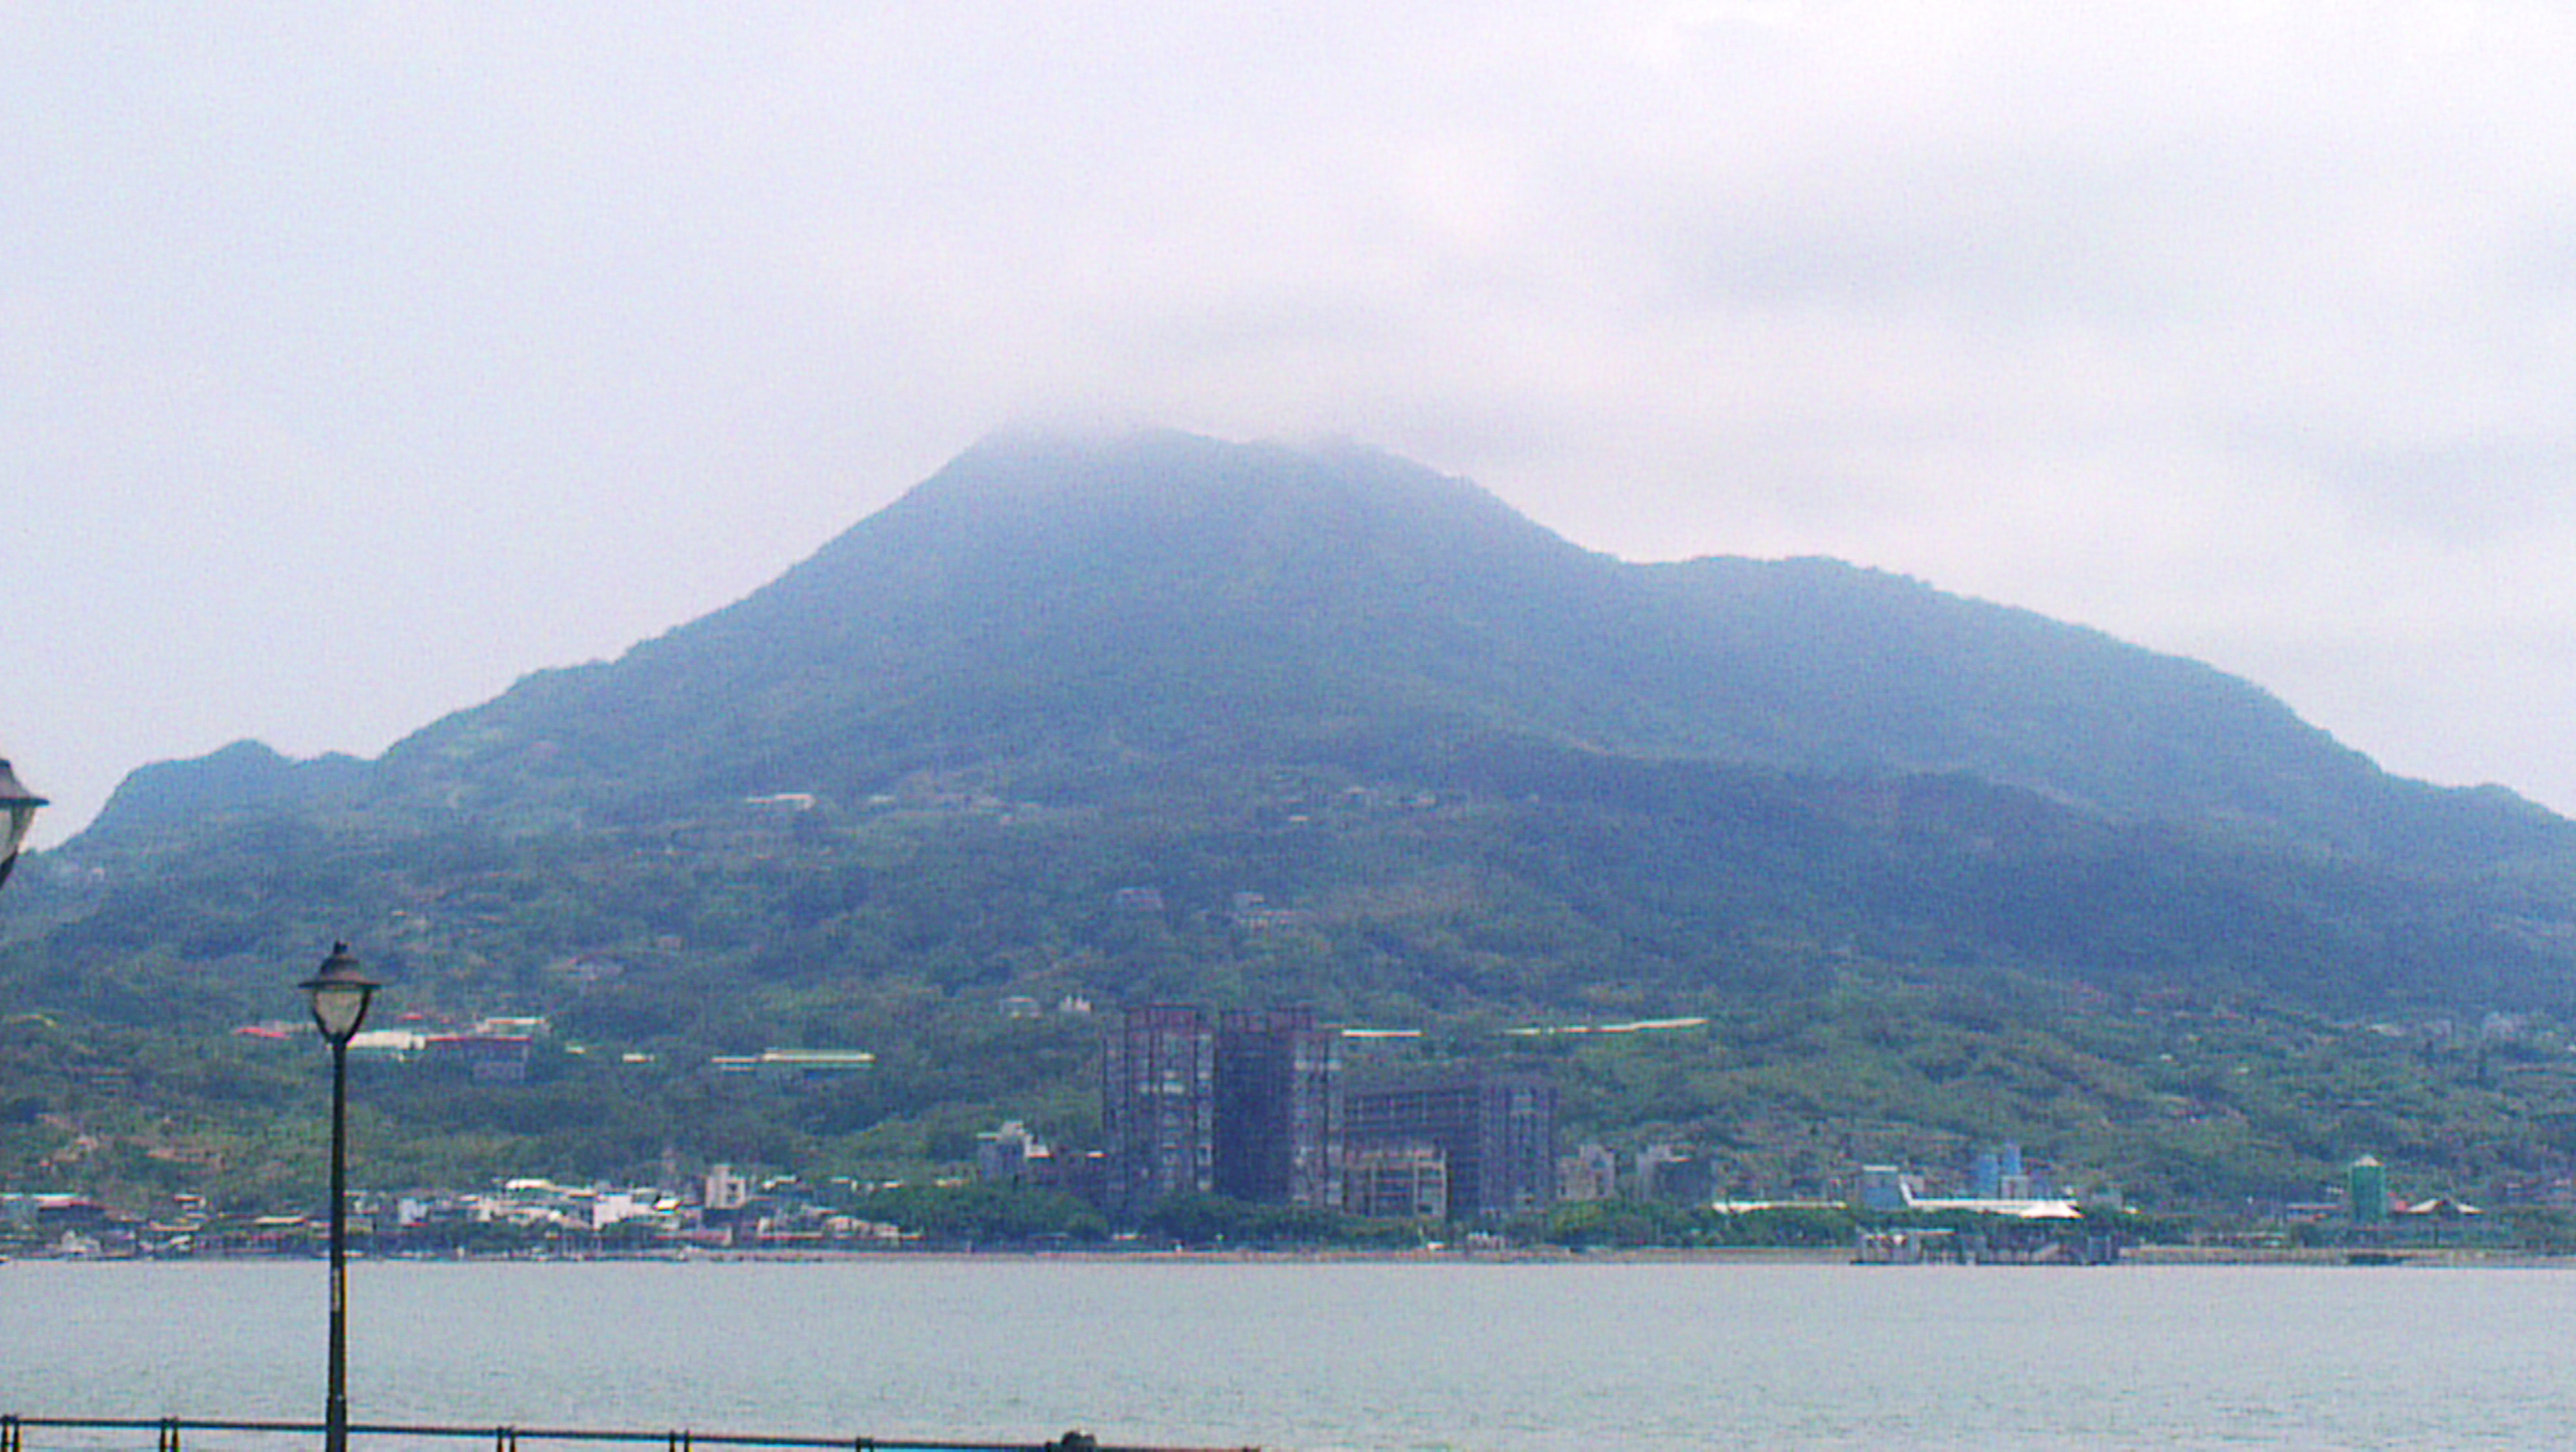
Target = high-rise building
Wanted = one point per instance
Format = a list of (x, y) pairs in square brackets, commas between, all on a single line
[(1158, 1106), (1278, 1108), (1495, 1129), (2366, 1183)]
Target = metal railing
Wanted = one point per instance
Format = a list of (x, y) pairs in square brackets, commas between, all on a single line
[(168, 1432)]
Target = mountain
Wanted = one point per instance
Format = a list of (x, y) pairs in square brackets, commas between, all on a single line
[(1089, 622), (1162, 594), (169, 796), (1159, 717)]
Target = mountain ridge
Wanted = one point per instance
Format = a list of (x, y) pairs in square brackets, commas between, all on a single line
[(1262, 583)]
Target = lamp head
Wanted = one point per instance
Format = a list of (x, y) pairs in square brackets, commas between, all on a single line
[(339, 992), (17, 813)]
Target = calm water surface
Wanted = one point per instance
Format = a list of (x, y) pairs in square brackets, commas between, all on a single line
[(1314, 1356)]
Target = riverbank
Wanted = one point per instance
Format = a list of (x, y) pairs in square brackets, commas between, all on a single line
[(2141, 1255)]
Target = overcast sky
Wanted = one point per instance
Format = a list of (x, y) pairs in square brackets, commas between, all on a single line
[(357, 359)]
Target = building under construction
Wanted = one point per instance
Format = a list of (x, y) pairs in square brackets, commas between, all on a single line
[(1158, 1106), (1493, 1130)]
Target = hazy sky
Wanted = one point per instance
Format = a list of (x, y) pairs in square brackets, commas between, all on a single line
[(357, 359)]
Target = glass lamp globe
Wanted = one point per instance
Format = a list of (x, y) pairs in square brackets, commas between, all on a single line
[(339, 992)]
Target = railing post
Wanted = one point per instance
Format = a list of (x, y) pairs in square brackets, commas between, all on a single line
[(8, 1434), (506, 1439), (169, 1434)]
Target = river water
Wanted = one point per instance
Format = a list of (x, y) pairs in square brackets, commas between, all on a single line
[(1324, 1355)]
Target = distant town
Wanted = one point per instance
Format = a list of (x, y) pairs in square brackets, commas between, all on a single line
[(1278, 1132)]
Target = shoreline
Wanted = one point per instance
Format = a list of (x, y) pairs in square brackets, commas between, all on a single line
[(2146, 1256)]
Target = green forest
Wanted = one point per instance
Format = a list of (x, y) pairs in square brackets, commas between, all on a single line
[(977, 951)]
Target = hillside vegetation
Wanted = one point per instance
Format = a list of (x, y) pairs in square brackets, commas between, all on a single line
[(1162, 718)]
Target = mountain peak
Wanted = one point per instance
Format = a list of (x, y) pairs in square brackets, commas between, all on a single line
[(1069, 595), (1148, 477)]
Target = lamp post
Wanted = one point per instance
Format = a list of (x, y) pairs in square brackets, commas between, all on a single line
[(339, 992), (17, 813)]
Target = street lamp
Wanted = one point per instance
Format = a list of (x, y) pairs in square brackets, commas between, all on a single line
[(17, 813), (339, 992)]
